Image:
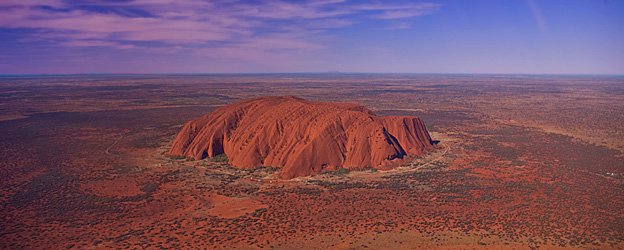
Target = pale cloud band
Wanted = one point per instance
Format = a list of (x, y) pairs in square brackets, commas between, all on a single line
[(211, 27)]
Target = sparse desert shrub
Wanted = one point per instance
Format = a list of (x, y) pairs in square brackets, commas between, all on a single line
[(177, 157), (342, 171), (263, 167), (219, 158), (339, 171), (150, 187)]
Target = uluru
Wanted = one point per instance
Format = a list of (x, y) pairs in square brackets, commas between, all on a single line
[(302, 137)]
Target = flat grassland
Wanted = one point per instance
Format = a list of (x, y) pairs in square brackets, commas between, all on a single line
[(522, 162)]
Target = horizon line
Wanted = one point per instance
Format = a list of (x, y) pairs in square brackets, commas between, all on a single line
[(314, 72)]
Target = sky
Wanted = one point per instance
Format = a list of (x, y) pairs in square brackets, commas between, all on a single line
[(214, 36)]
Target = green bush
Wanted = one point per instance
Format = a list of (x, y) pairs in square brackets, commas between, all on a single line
[(342, 171), (177, 157), (219, 158)]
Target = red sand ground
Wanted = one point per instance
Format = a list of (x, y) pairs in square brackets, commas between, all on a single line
[(490, 184), (123, 186), (233, 207)]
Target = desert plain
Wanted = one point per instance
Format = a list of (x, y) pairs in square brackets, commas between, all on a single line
[(520, 162)]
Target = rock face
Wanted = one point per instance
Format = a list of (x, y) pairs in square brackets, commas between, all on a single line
[(302, 137)]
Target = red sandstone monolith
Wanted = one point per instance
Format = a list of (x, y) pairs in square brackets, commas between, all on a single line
[(302, 137)]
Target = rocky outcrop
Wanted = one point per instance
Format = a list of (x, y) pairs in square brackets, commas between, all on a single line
[(302, 137)]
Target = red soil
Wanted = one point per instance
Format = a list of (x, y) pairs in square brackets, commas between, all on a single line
[(232, 207), (122, 187), (302, 137)]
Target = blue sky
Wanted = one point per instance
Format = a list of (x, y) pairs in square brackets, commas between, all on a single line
[(194, 36)]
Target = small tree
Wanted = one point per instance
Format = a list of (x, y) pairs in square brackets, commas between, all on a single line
[(219, 158), (342, 171)]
